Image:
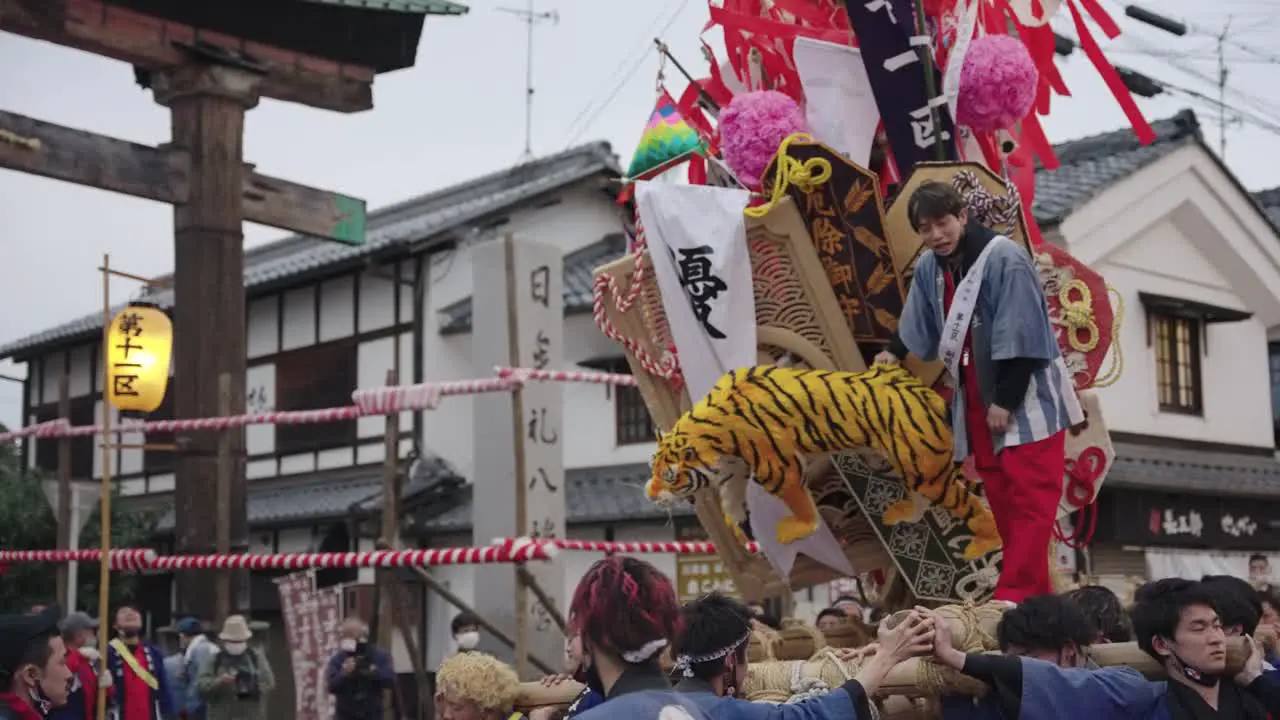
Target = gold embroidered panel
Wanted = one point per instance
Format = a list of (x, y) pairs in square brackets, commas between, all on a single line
[(846, 221)]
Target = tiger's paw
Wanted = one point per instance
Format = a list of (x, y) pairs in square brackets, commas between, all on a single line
[(981, 545), (986, 538), (792, 528), (902, 511)]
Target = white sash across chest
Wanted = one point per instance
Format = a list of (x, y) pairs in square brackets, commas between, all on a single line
[(963, 304)]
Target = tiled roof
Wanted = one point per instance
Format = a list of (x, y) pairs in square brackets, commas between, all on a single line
[(1090, 165), (330, 495), (1269, 201), (390, 230), (1149, 467), (578, 268), (592, 495)]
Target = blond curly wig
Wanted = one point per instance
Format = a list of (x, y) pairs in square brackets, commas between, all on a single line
[(479, 678)]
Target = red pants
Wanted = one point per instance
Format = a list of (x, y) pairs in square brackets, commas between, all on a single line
[(1023, 485)]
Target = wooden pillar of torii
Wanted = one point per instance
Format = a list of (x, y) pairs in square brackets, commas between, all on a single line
[(209, 61), (207, 103)]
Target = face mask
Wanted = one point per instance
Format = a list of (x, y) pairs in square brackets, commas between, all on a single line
[(91, 642), (235, 649), (39, 701), (468, 640), (1202, 679), (347, 645)]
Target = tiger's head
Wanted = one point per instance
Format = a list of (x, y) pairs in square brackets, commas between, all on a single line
[(677, 467)]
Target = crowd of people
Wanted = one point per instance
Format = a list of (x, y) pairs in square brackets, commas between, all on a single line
[(50, 669), (624, 617)]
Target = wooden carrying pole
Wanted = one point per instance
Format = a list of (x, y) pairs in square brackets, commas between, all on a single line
[(772, 681), (104, 574)]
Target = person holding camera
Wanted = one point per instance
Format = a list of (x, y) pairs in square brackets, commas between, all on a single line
[(358, 674), (234, 680)]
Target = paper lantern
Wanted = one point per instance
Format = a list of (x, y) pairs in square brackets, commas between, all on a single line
[(139, 345)]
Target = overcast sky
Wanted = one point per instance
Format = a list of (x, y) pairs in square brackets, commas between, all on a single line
[(460, 113)]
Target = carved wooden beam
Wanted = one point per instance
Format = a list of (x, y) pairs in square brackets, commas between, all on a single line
[(161, 174), (148, 42)]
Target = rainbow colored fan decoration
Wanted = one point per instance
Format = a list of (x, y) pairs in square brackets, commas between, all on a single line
[(667, 139)]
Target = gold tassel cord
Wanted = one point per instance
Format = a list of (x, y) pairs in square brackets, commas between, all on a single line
[(806, 176), (1077, 315), (1117, 354)]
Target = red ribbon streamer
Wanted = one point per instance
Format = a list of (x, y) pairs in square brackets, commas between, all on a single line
[(1109, 75)]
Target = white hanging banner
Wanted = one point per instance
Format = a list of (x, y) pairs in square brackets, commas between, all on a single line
[(968, 25), (697, 243), (839, 104)]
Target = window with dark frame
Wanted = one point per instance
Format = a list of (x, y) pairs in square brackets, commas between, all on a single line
[(1176, 341), (632, 422), (1273, 352), (315, 377), (82, 448)]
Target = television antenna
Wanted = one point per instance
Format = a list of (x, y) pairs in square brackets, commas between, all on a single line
[(531, 17)]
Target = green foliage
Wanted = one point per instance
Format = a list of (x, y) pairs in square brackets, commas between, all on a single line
[(27, 523)]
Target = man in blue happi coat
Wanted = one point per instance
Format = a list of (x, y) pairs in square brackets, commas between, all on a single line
[(977, 305), (711, 660), (1176, 624), (1050, 628)]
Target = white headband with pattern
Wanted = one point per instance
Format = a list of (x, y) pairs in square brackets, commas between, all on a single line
[(684, 663), (645, 652)]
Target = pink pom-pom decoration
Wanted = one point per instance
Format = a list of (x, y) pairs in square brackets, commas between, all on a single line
[(752, 127), (997, 83)]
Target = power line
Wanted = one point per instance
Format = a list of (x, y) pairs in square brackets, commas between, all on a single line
[(625, 71), (1259, 112)]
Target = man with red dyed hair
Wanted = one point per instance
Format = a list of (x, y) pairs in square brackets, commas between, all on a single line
[(626, 612)]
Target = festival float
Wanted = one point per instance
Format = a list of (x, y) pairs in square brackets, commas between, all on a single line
[(771, 237)]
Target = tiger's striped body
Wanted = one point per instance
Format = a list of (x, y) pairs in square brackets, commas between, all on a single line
[(776, 419)]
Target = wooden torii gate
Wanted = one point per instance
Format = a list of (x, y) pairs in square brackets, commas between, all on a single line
[(209, 61)]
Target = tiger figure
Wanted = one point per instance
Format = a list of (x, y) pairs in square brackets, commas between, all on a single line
[(769, 423)]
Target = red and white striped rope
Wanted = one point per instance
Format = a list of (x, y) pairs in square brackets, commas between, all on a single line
[(124, 559), (606, 286), (373, 401), (571, 376), (515, 550), (670, 547)]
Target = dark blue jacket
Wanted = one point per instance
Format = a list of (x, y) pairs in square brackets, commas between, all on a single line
[(358, 696), (586, 700)]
